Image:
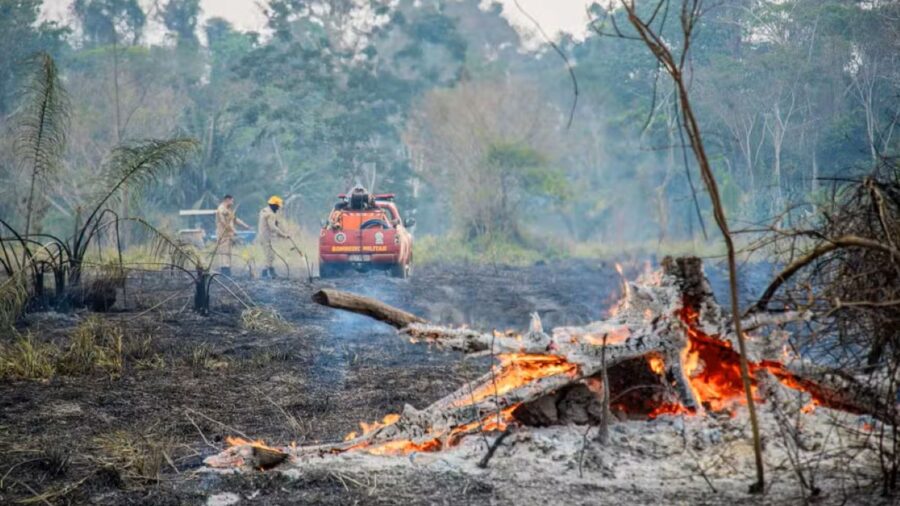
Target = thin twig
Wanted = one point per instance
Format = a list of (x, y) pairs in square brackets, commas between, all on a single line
[(562, 55), (202, 436), (483, 463), (167, 299), (223, 425), (584, 443)]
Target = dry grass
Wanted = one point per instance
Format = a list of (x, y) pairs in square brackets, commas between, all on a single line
[(138, 458), (27, 358), (13, 297), (264, 320), (142, 352), (96, 346), (266, 357), (204, 357)]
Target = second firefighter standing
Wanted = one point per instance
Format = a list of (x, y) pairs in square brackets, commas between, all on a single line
[(270, 229)]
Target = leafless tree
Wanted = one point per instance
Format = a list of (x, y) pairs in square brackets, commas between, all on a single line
[(648, 25)]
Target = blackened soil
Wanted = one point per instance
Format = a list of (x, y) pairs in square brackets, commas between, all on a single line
[(189, 381)]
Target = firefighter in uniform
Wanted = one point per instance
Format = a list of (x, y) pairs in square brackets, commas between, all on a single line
[(270, 229), (226, 232)]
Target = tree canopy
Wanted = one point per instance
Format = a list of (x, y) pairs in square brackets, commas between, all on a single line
[(409, 95)]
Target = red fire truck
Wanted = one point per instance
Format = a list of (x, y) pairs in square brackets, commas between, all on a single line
[(365, 232)]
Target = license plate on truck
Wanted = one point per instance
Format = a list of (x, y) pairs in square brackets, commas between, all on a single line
[(360, 258)]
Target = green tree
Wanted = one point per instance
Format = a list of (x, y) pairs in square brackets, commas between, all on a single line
[(106, 22), (21, 36), (180, 17)]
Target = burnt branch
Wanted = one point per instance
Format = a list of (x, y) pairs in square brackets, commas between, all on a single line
[(366, 306)]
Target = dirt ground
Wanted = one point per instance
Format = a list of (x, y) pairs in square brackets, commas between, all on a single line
[(189, 381)]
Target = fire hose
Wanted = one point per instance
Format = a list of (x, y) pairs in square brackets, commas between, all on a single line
[(296, 248)]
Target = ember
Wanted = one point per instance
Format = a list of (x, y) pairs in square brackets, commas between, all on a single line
[(244, 453), (517, 369), (657, 365), (712, 367), (367, 428), (433, 442)]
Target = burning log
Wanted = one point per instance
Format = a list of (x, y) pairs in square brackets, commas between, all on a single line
[(665, 350), (248, 454), (838, 390), (366, 306)]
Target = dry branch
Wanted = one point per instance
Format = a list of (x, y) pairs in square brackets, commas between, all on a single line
[(847, 241)]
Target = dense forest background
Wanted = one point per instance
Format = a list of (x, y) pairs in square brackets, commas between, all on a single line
[(466, 118)]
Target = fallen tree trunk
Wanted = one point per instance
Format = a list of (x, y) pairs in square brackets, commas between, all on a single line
[(366, 306), (671, 329)]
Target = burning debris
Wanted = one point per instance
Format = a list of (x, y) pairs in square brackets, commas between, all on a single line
[(248, 454), (664, 350)]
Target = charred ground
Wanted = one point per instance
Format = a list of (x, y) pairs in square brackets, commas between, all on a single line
[(186, 382)]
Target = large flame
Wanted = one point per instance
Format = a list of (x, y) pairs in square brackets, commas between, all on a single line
[(711, 366), (516, 370), (714, 373)]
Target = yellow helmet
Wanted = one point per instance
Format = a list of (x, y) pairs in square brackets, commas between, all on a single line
[(275, 200)]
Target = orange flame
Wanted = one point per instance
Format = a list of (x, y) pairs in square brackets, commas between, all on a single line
[(669, 408), (616, 336), (403, 447), (657, 365), (438, 441), (710, 364), (713, 370), (389, 419), (516, 370), (239, 441)]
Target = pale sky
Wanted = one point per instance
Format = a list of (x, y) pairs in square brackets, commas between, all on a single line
[(553, 15)]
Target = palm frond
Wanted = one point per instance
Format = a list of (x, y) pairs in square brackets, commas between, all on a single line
[(41, 123), (134, 164), (175, 252), (139, 163)]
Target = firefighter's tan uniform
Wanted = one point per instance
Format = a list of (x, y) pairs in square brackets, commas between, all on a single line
[(268, 230), (226, 232)]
